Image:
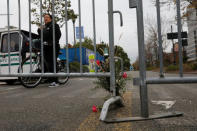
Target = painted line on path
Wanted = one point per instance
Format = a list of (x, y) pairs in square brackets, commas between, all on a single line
[(92, 122)]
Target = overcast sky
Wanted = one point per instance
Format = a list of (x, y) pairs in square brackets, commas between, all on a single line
[(125, 36)]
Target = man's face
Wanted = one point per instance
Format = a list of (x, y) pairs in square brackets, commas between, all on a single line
[(47, 19)]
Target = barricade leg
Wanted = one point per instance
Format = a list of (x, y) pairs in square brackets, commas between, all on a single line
[(113, 100)]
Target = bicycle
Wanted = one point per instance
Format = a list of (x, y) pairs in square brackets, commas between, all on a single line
[(33, 81)]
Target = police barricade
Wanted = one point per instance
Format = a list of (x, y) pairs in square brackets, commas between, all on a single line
[(26, 69), (143, 81)]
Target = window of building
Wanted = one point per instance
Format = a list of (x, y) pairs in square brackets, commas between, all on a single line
[(14, 43)]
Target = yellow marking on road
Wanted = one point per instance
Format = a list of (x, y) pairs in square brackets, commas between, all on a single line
[(124, 112), (90, 123)]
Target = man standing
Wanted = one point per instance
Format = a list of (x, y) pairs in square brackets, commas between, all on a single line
[(48, 47)]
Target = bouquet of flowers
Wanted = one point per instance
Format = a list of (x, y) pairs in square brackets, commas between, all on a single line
[(104, 82)]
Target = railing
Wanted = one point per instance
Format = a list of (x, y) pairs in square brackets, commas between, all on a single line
[(143, 81), (110, 74)]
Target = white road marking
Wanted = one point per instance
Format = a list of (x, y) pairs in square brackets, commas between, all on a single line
[(167, 104)]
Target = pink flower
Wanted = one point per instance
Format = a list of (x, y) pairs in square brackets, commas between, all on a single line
[(98, 62), (94, 109), (124, 75)]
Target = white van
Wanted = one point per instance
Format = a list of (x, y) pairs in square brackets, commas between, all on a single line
[(14, 51)]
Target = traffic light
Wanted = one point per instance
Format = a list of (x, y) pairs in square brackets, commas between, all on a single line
[(174, 35), (184, 42)]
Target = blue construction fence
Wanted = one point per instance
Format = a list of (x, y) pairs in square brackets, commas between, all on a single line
[(74, 55)]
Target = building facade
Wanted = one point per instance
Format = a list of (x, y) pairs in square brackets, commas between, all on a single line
[(192, 34)]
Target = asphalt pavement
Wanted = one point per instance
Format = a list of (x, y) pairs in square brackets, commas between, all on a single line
[(163, 98), (64, 108), (69, 107)]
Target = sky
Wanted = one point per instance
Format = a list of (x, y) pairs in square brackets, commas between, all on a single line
[(125, 36)]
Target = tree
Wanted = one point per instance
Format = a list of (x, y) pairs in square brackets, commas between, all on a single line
[(73, 18), (136, 64), (118, 51), (151, 40), (59, 10), (184, 5), (87, 43), (191, 4)]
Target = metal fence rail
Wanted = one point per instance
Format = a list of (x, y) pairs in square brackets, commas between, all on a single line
[(110, 74), (143, 81), (111, 42), (57, 74)]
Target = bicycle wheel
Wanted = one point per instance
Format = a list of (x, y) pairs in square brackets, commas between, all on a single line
[(27, 81), (61, 68)]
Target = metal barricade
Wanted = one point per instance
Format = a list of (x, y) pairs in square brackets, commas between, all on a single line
[(110, 74), (111, 41), (143, 81)]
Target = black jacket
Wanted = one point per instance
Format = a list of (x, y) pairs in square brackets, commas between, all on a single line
[(48, 33)]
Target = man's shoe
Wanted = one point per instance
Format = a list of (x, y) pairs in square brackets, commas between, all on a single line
[(53, 84)]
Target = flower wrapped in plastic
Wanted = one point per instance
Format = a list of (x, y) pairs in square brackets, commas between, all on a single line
[(104, 82)]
